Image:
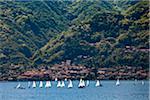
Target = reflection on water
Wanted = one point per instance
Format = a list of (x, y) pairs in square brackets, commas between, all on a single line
[(128, 90)]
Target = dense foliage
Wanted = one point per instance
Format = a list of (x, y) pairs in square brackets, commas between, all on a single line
[(92, 33)]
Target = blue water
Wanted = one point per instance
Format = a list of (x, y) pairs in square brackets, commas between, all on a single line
[(126, 91)]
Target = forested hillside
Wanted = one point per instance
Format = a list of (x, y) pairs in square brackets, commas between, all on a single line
[(91, 33)]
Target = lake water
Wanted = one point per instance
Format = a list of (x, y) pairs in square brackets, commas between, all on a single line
[(127, 90)]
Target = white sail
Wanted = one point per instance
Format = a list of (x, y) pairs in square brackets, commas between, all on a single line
[(18, 86), (56, 79), (87, 83), (142, 82), (70, 85), (41, 84), (34, 84), (97, 83), (59, 84), (135, 81), (117, 83), (65, 79), (62, 84), (29, 83), (48, 84), (81, 83)]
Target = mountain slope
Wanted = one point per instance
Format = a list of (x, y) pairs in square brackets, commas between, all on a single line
[(27, 26), (101, 40), (92, 33)]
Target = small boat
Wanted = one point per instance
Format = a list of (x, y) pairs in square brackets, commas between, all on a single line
[(65, 79), (48, 84), (62, 84), (41, 84), (56, 79), (34, 84), (98, 84), (143, 83), (118, 82), (81, 84), (135, 81), (29, 84), (70, 85), (87, 83), (19, 86), (58, 84)]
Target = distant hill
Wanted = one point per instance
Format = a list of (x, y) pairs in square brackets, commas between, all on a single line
[(27, 26), (91, 33)]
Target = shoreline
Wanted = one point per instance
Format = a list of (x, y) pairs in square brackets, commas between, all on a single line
[(75, 72)]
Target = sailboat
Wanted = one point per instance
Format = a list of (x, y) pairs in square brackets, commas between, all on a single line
[(98, 83), (65, 79), (62, 84), (19, 86), (142, 82), (29, 83), (87, 83), (34, 84), (70, 85), (117, 83), (81, 84), (58, 84), (56, 79), (48, 84), (135, 81), (41, 84)]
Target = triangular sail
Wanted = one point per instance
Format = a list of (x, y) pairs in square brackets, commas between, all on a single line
[(65, 79), (81, 83), (87, 83), (58, 84), (56, 79), (41, 84), (117, 83), (62, 84), (34, 84), (48, 84), (97, 83), (29, 84), (18, 86), (70, 85), (143, 83)]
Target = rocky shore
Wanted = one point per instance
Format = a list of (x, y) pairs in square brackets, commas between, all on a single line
[(74, 72)]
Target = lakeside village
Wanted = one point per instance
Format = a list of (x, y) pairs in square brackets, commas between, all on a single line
[(67, 70)]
